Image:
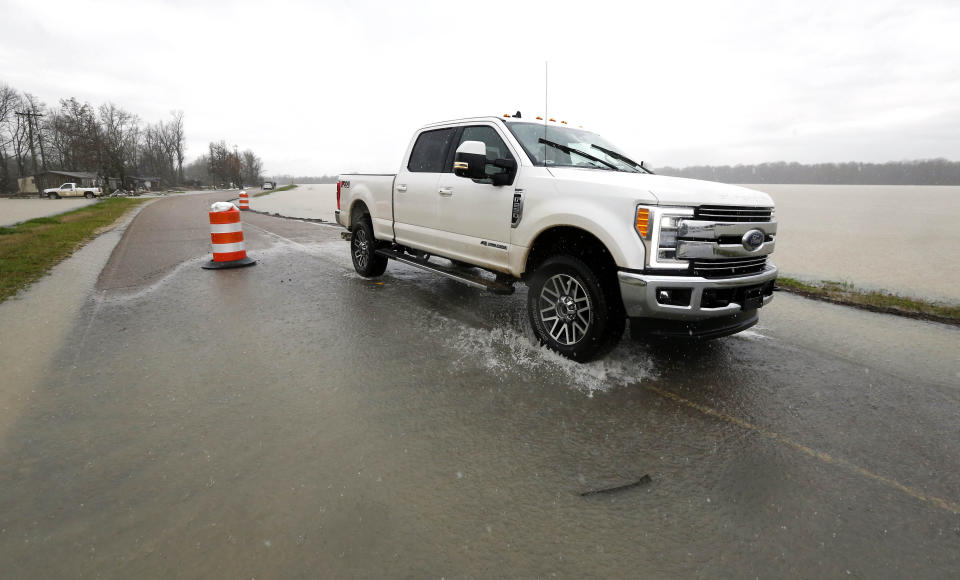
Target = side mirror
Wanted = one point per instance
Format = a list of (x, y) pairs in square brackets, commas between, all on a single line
[(510, 170), (470, 160)]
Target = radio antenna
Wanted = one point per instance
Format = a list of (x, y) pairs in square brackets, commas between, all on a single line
[(546, 93)]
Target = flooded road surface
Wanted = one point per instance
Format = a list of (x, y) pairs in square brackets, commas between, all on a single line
[(294, 420), (894, 237), (310, 200)]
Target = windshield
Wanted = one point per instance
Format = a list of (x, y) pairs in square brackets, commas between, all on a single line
[(555, 146)]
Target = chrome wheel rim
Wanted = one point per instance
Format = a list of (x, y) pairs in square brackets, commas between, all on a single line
[(361, 248), (565, 309)]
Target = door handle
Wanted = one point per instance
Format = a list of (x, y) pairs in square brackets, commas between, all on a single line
[(401, 188), (446, 191)]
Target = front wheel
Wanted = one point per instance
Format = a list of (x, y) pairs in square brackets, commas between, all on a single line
[(363, 248), (571, 310)]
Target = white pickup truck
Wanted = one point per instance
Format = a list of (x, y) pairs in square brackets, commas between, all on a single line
[(596, 236), (71, 190)]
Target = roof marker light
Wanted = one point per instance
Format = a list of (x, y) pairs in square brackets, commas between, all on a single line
[(553, 120), (506, 114), (539, 118)]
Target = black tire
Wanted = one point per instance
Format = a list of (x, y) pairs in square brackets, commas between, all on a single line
[(574, 311), (53, 196), (363, 248), (88, 195)]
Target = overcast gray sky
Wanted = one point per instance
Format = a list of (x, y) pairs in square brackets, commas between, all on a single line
[(322, 87)]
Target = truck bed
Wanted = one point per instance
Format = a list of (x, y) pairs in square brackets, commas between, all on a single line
[(375, 190)]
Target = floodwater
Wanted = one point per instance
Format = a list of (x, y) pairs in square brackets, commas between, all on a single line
[(311, 201), (904, 239), (899, 238), (294, 420)]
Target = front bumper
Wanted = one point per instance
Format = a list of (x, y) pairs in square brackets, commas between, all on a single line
[(639, 292)]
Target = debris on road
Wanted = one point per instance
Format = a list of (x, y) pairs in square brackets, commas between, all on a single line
[(642, 481)]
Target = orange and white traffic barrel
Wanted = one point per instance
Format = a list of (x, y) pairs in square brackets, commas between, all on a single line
[(244, 201), (226, 234)]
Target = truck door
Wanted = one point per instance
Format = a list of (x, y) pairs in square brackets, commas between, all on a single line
[(474, 215), (415, 196), (66, 190)]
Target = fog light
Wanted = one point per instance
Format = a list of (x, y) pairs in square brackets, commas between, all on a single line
[(674, 296)]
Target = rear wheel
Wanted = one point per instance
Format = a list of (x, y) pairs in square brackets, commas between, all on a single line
[(571, 310), (363, 248), (52, 195), (88, 195)]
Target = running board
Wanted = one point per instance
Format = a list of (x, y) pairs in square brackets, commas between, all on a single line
[(452, 273)]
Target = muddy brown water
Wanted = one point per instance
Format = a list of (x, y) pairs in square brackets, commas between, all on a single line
[(899, 238)]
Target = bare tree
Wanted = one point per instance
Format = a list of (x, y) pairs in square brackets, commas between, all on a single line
[(9, 99), (119, 139), (178, 140), (219, 160), (197, 172), (75, 136), (252, 167)]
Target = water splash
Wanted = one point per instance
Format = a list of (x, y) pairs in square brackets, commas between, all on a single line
[(508, 350)]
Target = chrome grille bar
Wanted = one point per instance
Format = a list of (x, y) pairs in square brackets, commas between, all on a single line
[(734, 213)]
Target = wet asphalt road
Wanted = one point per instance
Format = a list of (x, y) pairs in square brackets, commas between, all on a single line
[(294, 420)]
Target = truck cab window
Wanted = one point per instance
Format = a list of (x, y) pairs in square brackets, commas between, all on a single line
[(430, 151)]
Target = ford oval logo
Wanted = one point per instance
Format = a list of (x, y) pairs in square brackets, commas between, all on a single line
[(752, 240)]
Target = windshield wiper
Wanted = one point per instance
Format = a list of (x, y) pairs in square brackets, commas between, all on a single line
[(623, 158), (569, 150)]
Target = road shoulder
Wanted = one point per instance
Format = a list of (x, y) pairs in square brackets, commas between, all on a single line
[(34, 323)]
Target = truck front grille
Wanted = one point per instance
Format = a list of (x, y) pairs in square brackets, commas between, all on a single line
[(732, 213), (728, 268)]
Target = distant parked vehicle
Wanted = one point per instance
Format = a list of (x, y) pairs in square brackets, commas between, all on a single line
[(71, 190), (269, 185)]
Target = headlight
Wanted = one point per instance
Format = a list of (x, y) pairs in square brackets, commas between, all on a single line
[(658, 227), (668, 231)]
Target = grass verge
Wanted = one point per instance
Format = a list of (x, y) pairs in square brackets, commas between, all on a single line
[(873, 300), (30, 249), (269, 191)]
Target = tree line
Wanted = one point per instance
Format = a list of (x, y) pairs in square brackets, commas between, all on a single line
[(109, 141), (77, 136), (222, 167), (917, 172), (286, 179)]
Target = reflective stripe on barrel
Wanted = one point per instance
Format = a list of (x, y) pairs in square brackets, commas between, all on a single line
[(244, 200), (226, 235)]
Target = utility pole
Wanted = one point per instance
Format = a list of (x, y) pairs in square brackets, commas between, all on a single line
[(236, 159), (43, 154)]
